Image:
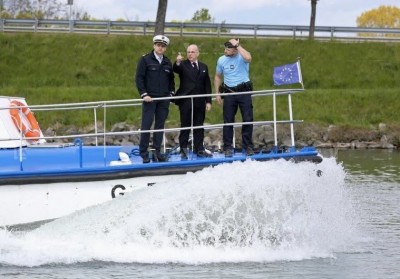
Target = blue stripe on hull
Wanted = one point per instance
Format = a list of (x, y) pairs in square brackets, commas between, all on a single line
[(90, 163)]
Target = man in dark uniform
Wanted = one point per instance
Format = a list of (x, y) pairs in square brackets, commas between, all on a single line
[(154, 79), (194, 80)]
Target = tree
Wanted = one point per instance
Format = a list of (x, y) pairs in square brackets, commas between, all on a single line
[(3, 13), (312, 20), (202, 16), (381, 17), (33, 8), (160, 20), (48, 8), (15, 7)]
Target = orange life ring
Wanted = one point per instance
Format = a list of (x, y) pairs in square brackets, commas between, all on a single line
[(29, 132)]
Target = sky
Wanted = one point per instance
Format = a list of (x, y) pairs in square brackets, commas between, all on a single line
[(270, 12)]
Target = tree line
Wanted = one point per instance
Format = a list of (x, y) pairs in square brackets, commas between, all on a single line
[(381, 17)]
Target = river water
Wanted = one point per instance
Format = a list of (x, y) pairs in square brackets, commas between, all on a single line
[(337, 219)]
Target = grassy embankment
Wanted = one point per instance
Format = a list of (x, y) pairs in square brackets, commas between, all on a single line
[(347, 84)]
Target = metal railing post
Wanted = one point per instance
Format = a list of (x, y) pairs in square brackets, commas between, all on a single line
[(274, 116), (291, 118), (35, 25)]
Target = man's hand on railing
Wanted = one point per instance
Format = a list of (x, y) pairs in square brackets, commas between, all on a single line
[(218, 98), (147, 99)]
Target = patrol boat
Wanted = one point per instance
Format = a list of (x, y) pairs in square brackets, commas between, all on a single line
[(46, 177)]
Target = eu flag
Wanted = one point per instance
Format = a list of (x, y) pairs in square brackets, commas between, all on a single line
[(287, 74)]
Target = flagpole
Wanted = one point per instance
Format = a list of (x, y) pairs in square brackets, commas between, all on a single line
[(290, 102), (299, 71)]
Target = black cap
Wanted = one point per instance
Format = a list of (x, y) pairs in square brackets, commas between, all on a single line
[(228, 44)]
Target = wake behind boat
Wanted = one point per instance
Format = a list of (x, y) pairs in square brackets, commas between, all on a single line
[(43, 177)]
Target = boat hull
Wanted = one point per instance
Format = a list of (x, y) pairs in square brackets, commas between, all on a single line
[(47, 183), (24, 204)]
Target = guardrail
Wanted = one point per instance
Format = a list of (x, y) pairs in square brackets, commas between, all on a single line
[(198, 29), (10, 139)]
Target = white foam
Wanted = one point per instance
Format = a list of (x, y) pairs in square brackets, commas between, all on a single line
[(250, 211)]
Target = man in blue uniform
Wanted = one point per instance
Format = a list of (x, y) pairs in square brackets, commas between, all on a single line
[(233, 67), (154, 79)]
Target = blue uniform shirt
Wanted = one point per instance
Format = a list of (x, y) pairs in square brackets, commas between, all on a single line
[(234, 68)]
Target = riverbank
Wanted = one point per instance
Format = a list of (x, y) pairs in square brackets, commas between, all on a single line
[(380, 137), (347, 84)]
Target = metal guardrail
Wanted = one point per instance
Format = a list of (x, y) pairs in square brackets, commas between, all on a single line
[(198, 29)]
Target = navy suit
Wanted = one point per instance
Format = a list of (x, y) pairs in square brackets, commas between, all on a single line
[(192, 82)]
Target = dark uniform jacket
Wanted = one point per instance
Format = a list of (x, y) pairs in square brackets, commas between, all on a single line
[(154, 79), (193, 82)]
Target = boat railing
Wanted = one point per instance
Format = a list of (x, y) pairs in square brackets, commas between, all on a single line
[(105, 105)]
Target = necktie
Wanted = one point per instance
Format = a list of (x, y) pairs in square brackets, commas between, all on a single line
[(195, 66)]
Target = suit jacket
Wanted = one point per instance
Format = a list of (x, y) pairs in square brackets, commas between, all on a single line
[(193, 82)]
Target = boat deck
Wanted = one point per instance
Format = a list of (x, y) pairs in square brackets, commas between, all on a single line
[(45, 160)]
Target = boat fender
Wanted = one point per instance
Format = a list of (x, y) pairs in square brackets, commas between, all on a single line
[(123, 160), (30, 131), (118, 186)]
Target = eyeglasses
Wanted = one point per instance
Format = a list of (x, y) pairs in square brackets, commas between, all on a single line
[(192, 52)]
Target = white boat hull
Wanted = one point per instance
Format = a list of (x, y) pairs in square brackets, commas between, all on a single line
[(38, 202)]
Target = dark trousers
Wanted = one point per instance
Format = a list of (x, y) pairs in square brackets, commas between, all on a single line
[(199, 113), (230, 107), (157, 111)]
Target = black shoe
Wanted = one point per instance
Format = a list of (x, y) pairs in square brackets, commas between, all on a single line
[(184, 153), (146, 158), (158, 157), (249, 151), (203, 154), (228, 153)]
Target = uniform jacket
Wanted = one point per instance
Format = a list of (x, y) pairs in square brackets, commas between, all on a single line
[(193, 82), (153, 78)]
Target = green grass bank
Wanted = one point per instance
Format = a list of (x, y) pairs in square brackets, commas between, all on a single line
[(347, 84)]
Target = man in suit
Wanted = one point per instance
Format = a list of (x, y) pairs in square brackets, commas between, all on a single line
[(194, 80)]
